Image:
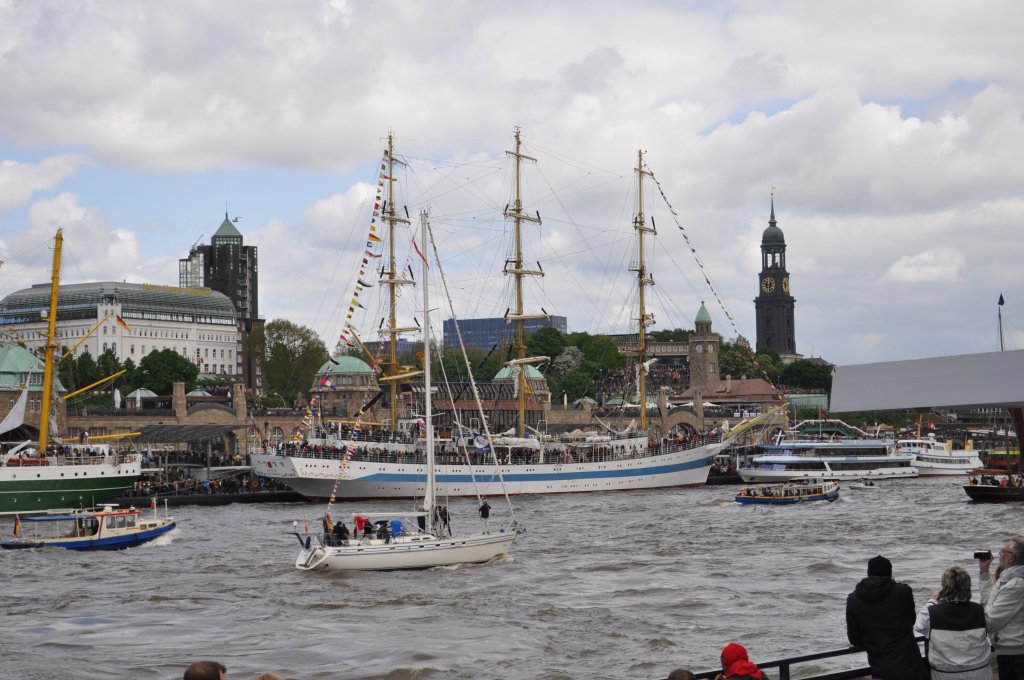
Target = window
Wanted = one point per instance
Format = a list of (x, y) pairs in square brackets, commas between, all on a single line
[(132, 350)]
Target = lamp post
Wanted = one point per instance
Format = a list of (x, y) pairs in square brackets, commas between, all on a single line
[(283, 402)]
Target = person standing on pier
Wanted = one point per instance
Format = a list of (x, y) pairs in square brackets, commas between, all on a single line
[(1003, 599), (880, 617), (958, 647)]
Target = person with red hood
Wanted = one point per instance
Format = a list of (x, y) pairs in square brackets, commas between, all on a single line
[(736, 664)]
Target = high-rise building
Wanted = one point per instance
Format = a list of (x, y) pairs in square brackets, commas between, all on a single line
[(230, 267), (774, 305)]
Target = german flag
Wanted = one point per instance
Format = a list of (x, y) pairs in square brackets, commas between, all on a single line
[(121, 323), (17, 525)]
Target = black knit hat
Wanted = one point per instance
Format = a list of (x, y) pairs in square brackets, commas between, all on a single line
[(879, 566)]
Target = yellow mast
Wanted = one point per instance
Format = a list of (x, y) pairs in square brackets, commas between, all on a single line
[(51, 345), (643, 281), (391, 279), (515, 268)]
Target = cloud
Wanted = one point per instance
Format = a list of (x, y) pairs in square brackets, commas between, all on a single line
[(931, 266), (18, 181)]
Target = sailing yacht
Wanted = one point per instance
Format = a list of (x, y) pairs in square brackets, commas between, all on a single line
[(369, 465), (58, 474), (411, 540)]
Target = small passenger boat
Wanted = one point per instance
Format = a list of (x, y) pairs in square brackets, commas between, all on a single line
[(788, 494), (111, 528), (862, 485)]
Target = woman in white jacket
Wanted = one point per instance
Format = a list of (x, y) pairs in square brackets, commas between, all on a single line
[(958, 646)]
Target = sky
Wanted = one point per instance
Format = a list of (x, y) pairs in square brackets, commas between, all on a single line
[(890, 133)]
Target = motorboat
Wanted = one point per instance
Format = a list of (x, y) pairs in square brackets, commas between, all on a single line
[(108, 528), (789, 493)]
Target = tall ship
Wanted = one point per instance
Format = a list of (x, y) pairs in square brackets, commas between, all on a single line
[(848, 459), (355, 461), (54, 473)]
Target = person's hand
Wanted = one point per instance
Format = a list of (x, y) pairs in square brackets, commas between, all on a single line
[(983, 565), (935, 595), (720, 676)]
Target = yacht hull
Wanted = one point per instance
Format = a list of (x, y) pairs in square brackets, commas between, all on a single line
[(400, 554)]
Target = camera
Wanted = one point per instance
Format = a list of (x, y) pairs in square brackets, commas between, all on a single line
[(983, 555)]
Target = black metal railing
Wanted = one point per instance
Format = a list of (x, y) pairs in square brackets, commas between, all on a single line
[(784, 667)]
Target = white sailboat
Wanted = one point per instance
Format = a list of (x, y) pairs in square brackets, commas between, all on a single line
[(407, 540)]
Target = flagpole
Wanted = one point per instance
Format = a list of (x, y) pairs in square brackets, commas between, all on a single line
[(1000, 308)]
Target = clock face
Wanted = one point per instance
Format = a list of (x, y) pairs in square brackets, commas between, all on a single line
[(767, 285), (785, 284)]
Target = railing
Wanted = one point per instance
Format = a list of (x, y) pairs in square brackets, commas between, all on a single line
[(785, 666)]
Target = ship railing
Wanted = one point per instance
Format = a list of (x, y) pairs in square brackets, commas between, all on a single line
[(786, 671)]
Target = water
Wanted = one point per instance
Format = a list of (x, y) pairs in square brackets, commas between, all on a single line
[(621, 585)]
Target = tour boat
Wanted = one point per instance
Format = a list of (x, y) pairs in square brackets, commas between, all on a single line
[(933, 458), (789, 493), (844, 459), (110, 528), (408, 540)]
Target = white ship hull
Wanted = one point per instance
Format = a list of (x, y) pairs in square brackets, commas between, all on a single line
[(947, 469), (316, 477), (754, 476), (402, 553)]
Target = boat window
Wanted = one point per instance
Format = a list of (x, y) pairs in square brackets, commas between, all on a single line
[(131, 521), (121, 524), (111, 522)]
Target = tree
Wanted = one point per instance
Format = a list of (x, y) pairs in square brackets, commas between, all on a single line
[(735, 359), (159, 370), (289, 356), (545, 342), (804, 374), (570, 359)]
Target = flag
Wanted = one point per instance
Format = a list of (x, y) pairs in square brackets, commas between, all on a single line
[(821, 413), (374, 238), (117, 398), (17, 525), (121, 323), (1001, 301), (420, 253)]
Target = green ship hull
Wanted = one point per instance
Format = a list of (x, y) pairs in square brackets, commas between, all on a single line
[(47, 494)]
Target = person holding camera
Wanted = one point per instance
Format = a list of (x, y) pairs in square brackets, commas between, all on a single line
[(1003, 598), (958, 647)]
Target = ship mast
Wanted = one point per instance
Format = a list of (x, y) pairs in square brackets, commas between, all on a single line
[(515, 268), (51, 346), (643, 280), (390, 278)]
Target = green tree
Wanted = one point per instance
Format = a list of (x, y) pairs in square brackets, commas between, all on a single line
[(159, 370), (108, 364), (545, 342), (569, 360), (86, 372), (807, 375), (600, 351), (674, 335), (735, 359), (289, 356), (575, 384)]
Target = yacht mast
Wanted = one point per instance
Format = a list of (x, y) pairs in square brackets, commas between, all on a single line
[(643, 280), (515, 268), (51, 345), (428, 493), (390, 278)]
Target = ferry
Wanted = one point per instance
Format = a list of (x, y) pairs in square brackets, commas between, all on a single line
[(789, 494), (110, 528), (842, 459), (933, 458)]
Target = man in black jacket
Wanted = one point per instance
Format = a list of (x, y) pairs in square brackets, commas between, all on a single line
[(880, 616)]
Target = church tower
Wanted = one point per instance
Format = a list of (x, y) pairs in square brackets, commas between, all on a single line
[(774, 305)]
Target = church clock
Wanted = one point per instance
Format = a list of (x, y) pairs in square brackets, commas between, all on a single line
[(785, 284), (774, 304), (768, 285)]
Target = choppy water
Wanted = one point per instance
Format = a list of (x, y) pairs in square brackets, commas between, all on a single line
[(622, 585)]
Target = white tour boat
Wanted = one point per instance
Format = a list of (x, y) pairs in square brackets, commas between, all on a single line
[(933, 458), (845, 459)]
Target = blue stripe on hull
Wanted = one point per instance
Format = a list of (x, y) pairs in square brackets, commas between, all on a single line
[(511, 477), (115, 542)]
